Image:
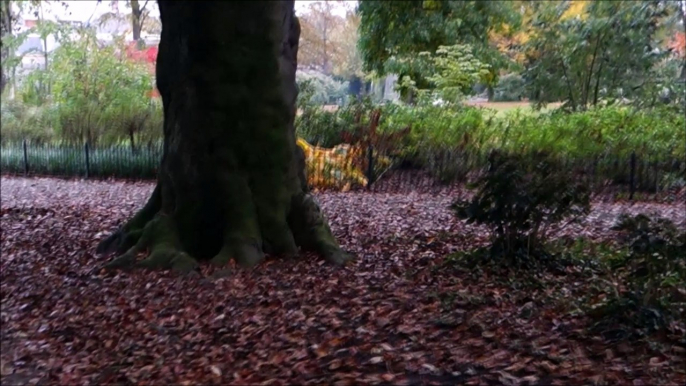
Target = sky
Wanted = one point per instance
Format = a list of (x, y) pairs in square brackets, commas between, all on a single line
[(91, 10)]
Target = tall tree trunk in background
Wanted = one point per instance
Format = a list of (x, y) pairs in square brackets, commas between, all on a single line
[(231, 183), (136, 20), (682, 11), (5, 30)]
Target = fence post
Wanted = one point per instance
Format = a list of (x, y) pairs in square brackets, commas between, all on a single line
[(26, 160), (88, 161), (632, 175), (370, 166)]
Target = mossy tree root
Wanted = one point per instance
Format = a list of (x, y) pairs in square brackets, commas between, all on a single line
[(160, 238), (312, 231), (128, 235), (242, 240)]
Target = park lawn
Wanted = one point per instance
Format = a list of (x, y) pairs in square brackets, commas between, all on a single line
[(502, 108)]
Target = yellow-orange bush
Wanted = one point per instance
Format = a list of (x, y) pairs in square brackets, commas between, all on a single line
[(340, 167)]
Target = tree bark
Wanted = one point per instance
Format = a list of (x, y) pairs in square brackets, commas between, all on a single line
[(231, 183), (136, 24), (5, 30), (682, 11)]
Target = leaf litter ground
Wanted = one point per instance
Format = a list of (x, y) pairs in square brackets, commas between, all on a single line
[(394, 317)]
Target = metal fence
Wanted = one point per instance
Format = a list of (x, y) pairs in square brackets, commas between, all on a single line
[(631, 177), (81, 161)]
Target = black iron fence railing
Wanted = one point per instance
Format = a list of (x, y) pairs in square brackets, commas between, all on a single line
[(629, 176)]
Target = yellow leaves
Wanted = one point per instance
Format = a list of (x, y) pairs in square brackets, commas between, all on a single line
[(577, 8), (340, 167), (507, 43), (431, 4), (522, 37)]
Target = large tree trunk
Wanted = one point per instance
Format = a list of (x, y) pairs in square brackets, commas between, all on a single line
[(231, 182)]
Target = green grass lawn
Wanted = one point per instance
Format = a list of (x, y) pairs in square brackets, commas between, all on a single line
[(502, 108)]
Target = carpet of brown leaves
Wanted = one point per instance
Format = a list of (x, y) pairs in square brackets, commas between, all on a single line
[(384, 320)]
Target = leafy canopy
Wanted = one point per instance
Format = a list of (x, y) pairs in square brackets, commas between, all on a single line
[(601, 50), (392, 33)]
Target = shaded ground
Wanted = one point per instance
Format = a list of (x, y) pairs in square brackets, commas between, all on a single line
[(395, 316)]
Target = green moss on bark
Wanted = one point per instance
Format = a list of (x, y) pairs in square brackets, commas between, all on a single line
[(128, 235)]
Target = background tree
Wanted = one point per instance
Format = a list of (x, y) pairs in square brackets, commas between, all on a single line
[(6, 23), (679, 40), (349, 63), (11, 39), (392, 33), (231, 183), (138, 17), (329, 41), (319, 89), (581, 54), (457, 70), (318, 47)]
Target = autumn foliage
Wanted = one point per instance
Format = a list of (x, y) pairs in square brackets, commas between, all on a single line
[(678, 44), (146, 55)]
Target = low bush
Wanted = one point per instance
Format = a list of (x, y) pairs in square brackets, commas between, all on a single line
[(609, 132), (511, 87), (649, 276), (319, 89), (614, 131), (31, 123), (519, 199), (320, 127), (76, 124)]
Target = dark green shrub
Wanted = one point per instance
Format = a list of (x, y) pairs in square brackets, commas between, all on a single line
[(24, 122), (326, 128), (511, 87), (649, 276), (518, 198), (321, 89)]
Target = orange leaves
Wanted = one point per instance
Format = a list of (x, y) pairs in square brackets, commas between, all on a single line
[(678, 44)]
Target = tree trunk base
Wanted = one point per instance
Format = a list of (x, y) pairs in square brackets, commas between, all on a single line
[(158, 234), (231, 183)]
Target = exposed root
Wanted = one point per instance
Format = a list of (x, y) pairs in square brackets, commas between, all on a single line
[(242, 236), (244, 233), (159, 237), (246, 255), (312, 231), (127, 260), (129, 234)]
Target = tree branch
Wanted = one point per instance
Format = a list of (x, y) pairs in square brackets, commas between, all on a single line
[(569, 85), (143, 7), (142, 16)]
